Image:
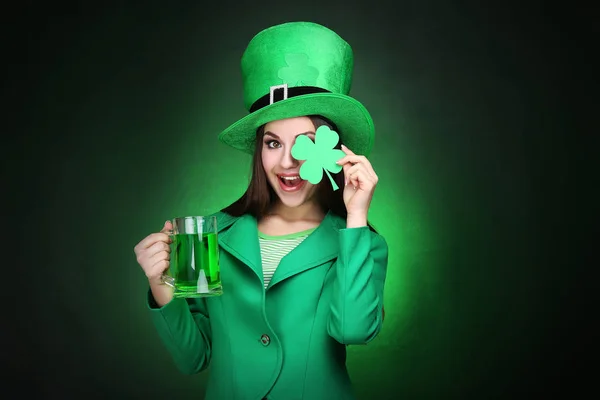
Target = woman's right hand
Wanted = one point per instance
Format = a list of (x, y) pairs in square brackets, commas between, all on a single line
[(153, 254)]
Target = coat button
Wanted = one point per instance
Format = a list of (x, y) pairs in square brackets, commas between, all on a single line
[(265, 340)]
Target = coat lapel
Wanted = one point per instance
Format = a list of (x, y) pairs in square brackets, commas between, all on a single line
[(241, 241), (320, 246)]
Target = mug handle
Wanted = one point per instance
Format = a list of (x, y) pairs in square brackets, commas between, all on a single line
[(166, 279)]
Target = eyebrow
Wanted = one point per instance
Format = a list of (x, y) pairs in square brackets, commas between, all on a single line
[(269, 133)]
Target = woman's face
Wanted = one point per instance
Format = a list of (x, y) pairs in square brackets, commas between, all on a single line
[(281, 169)]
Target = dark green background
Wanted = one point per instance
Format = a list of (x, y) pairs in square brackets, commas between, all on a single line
[(121, 107)]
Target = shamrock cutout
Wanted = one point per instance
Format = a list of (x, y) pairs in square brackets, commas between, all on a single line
[(319, 155)]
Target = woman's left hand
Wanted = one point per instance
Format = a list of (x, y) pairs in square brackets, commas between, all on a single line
[(360, 181)]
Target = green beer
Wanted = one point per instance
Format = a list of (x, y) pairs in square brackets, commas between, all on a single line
[(194, 268)]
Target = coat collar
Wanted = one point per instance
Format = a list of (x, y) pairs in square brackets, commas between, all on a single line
[(238, 236)]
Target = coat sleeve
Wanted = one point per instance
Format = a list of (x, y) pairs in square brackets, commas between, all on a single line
[(356, 313), (184, 329)]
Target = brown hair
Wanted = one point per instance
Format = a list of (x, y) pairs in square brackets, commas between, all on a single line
[(260, 196)]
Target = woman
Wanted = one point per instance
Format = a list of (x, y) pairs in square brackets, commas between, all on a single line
[(303, 272)]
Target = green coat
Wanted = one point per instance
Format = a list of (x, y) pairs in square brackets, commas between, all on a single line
[(289, 341)]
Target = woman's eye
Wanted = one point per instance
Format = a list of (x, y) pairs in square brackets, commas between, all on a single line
[(273, 144)]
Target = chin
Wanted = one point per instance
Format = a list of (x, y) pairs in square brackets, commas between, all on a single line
[(292, 203)]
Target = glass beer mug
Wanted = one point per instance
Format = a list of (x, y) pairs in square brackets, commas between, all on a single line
[(194, 269)]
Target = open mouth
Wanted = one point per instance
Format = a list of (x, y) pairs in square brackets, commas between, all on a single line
[(290, 182)]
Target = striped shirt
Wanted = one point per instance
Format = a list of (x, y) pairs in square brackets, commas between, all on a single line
[(274, 248)]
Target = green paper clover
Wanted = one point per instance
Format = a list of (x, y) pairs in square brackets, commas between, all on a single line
[(320, 155)]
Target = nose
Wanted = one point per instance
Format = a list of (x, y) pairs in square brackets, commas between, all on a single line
[(287, 161)]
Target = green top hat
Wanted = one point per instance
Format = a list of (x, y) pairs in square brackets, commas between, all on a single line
[(296, 69)]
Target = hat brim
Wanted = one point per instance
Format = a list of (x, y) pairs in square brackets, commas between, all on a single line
[(355, 125)]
